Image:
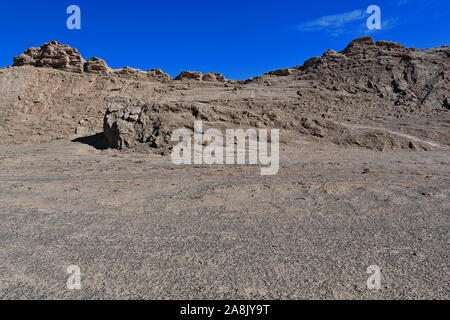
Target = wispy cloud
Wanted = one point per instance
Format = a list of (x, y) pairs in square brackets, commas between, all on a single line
[(352, 22), (333, 23)]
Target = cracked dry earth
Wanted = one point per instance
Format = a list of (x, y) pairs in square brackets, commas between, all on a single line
[(140, 227)]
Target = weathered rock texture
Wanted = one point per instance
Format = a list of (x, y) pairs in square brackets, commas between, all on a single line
[(52, 55), (367, 81), (377, 95), (58, 56), (198, 76), (96, 65)]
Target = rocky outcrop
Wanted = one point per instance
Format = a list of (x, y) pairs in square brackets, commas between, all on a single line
[(198, 76), (406, 77), (138, 125), (134, 124), (312, 62), (213, 76), (137, 74), (283, 72), (158, 75), (129, 124), (96, 65), (366, 46), (383, 75), (58, 56), (368, 82), (189, 75), (52, 55)]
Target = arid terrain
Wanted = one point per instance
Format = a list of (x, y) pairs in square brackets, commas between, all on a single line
[(86, 179)]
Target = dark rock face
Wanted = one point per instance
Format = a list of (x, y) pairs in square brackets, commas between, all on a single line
[(52, 55), (447, 103)]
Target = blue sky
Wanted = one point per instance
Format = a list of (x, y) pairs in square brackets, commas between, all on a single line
[(239, 38)]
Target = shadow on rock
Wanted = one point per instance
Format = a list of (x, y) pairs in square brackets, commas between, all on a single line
[(98, 141)]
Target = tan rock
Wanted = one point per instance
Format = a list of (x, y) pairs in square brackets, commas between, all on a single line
[(190, 75), (96, 65), (52, 55), (212, 76)]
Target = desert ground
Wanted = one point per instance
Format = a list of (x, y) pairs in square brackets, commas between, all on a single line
[(140, 227), (86, 179)]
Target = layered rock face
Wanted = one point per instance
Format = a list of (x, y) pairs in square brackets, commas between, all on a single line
[(52, 55), (58, 56)]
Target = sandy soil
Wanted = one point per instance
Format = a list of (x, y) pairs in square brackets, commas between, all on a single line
[(140, 227)]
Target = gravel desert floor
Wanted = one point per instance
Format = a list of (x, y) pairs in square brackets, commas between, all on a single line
[(225, 159), (86, 179), (140, 227)]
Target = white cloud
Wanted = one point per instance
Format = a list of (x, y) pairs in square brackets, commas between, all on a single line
[(353, 22), (333, 22)]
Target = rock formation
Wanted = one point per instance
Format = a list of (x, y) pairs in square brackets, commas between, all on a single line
[(198, 76), (377, 95), (213, 76), (58, 56), (52, 55), (366, 75), (96, 65)]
